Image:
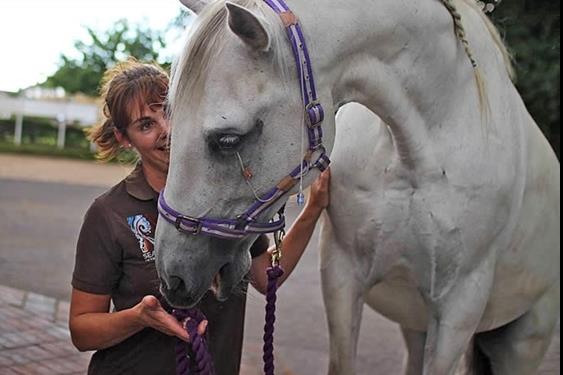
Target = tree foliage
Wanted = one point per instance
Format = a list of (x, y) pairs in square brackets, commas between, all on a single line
[(532, 31), (84, 73)]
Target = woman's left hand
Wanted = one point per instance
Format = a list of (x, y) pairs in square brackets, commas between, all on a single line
[(151, 314)]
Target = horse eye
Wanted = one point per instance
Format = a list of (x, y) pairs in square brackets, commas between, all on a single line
[(228, 141)]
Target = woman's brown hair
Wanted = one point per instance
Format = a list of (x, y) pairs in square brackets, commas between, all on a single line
[(128, 83)]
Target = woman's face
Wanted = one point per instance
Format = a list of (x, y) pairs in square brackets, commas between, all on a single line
[(148, 133)]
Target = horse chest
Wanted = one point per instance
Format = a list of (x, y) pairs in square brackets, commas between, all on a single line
[(413, 234), (397, 297)]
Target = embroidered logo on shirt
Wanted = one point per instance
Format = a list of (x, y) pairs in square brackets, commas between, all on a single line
[(143, 230)]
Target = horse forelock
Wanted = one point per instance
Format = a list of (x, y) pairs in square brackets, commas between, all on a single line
[(207, 40)]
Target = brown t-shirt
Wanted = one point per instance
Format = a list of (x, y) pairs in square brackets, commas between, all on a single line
[(115, 256)]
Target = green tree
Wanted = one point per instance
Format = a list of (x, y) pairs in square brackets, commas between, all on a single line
[(83, 74), (181, 21), (532, 31)]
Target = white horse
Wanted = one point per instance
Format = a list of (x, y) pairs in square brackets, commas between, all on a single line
[(446, 220)]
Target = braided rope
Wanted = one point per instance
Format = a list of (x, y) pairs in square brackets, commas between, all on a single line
[(460, 30), (274, 273), (462, 37), (203, 361)]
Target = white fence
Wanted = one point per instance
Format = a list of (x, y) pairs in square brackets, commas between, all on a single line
[(63, 110)]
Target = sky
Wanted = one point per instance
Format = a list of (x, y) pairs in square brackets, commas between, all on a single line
[(34, 33)]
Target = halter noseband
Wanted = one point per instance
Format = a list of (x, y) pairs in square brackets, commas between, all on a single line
[(246, 223)]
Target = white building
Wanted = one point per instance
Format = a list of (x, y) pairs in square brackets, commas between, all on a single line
[(64, 110)]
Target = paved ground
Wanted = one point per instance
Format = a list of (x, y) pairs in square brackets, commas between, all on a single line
[(42, 202), (34, 338)]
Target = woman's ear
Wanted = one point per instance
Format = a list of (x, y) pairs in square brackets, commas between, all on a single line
[(121, 138)]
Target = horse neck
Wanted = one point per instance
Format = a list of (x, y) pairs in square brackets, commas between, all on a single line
[(399, 59)]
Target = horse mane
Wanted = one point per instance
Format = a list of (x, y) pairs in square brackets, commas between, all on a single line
[(460, 32), (497, 39), (207, 39)]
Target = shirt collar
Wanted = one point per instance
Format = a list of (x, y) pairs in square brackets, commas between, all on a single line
[(137, 185)]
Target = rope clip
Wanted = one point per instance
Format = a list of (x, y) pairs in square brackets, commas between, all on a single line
[(277, 253)]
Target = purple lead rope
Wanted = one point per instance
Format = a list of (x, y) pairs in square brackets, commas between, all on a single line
[(274, 273), (203, 361)]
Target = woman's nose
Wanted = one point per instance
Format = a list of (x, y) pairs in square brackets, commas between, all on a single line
[(164, 126)]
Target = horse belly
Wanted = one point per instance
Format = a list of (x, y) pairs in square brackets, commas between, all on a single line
[(525, 271), (530, 264)]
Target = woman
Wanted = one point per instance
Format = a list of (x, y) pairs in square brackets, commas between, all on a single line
[(115, 250)]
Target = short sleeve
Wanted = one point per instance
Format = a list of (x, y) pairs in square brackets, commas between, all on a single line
[(97, 267), (260, 246)]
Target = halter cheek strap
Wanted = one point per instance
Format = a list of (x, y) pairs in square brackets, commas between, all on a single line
[(246, 223)]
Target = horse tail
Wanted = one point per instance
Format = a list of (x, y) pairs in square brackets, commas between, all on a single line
[(478, 363)]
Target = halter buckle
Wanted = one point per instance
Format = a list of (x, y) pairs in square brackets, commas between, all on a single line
[(315, 112), (198, 224), (242, 221)]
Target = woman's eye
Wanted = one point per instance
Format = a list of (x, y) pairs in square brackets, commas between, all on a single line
[(146, 125), (228, 141)]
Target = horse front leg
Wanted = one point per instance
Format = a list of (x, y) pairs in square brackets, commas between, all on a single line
[(414, 360), (455, 318), (519, 347), (343, 298)]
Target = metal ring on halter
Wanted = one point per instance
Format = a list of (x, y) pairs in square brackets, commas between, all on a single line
[(312, 104)]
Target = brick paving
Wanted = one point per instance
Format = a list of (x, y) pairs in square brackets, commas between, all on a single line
[(34, 337)]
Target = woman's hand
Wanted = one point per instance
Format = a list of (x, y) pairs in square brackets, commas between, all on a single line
[(151, 314), (319, 196)]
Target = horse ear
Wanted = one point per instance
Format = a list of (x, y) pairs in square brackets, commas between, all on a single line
[(248, 27), (195, 6)]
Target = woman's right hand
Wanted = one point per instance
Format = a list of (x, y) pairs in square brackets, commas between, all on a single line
[(319, 195), (151, 314)]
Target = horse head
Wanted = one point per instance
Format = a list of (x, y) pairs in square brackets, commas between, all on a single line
[(238, 128)]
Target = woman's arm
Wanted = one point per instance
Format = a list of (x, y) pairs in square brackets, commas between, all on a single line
[(93, 327), (297, 238)]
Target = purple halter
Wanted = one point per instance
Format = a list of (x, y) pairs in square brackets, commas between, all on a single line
[(246, 223)]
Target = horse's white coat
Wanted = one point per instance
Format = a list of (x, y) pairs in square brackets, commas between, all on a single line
[(370, 254), (446, 220)]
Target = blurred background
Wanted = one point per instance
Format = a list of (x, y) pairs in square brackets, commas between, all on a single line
[(54, 53)]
